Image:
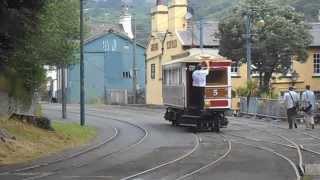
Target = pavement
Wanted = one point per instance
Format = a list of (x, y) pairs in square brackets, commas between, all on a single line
[(135, 142)]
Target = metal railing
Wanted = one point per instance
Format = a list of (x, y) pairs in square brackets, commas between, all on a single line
[(122, 97), (272, 108)]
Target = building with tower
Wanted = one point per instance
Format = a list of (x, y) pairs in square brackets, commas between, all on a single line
[(174, 35)]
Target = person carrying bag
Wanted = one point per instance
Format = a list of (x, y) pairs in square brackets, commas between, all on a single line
[(291, 100), (308, 100)]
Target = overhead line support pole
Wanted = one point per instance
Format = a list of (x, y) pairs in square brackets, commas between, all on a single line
[(248, 44), (134, 68), (82, 93)]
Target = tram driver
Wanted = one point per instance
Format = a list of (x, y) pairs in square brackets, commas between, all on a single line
[(199, 77)]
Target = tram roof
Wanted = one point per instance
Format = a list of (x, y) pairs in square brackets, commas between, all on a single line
[(197, 56)]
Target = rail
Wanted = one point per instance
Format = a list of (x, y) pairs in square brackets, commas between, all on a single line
[(270, 108)]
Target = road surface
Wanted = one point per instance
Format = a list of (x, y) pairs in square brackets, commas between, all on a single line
[(137, 143)]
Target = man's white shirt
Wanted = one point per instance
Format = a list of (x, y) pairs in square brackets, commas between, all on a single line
[(199, 77), (309, 97), (288, 100)]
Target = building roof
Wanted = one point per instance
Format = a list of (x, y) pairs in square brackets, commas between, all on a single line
[(210, 28), (191, 37), (315, 32), (110, 31)]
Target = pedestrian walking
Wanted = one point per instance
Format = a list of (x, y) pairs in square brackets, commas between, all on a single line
[(291, 100), (308, 106)]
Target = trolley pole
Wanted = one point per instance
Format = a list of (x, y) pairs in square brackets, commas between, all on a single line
[(134, 69), (201, 34), (82, 98)]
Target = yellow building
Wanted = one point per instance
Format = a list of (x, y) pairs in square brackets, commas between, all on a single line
[(173, 37), (308, 72)]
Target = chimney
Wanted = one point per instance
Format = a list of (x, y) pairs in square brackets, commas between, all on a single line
[(126, 21), (160, 2)]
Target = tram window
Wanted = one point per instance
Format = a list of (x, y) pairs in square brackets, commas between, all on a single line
[(172, 77), (217, 77)]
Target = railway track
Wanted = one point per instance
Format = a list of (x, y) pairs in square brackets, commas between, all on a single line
[(301, 141), (212, 163), (188, 158), (184, 156), (78, 154)]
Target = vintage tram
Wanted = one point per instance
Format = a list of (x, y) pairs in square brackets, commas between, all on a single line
[(180, 99)]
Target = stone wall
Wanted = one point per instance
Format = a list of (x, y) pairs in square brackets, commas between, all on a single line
[(7, 106)]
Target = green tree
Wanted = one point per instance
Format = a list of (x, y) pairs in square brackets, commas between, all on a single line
[(53, 42), (57, 39), (283, 36)]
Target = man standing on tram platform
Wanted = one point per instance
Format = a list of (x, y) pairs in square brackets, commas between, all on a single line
[(199, 77)]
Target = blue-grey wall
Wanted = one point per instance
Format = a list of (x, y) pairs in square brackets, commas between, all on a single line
[(106, 58)]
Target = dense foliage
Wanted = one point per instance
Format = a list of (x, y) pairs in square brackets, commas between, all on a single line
[(46, 33), (16, 18), (284, 35)]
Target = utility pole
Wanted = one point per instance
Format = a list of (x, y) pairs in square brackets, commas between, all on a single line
[(82, 98), (63, 91), (248, 44), (134, 69)]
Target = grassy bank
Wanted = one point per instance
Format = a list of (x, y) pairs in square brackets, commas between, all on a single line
[(32, 142)]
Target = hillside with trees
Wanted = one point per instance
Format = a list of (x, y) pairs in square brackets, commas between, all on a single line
[(108, 11)]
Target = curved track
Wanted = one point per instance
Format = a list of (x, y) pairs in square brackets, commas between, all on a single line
[(144, 146)]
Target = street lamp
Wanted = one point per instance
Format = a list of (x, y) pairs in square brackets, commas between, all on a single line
[(294, 77)]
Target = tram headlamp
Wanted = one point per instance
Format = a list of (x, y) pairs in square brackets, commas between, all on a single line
[(207, 103)]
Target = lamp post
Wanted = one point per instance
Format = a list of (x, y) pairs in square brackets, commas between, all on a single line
[(294, 77)]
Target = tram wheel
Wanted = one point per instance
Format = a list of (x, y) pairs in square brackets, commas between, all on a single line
[(198, 127), (216, 125)]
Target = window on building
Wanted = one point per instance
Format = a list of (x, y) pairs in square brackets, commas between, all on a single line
[(126, 75), (235, 68), (316, 63), (169, 45), (153, 71), (172, 44), (154, 47)]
